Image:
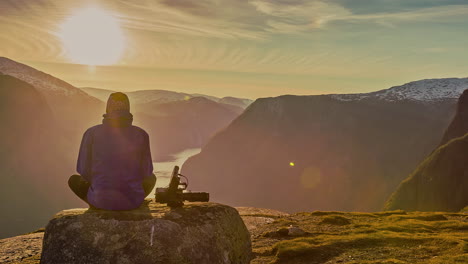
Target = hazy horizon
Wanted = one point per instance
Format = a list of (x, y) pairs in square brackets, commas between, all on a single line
[(245, 49)]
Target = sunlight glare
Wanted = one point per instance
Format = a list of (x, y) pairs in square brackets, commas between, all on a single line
[(92, 36)]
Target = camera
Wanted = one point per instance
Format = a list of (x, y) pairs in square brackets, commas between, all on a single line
[(176, 193)]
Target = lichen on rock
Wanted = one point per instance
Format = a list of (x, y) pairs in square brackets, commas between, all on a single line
[(153, 233)]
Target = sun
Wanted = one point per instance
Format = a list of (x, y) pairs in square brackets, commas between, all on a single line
[(92, 36)]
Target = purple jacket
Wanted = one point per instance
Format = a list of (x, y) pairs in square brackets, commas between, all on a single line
[(115, 157)]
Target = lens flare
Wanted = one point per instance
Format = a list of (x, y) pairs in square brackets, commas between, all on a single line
[(311, 177)]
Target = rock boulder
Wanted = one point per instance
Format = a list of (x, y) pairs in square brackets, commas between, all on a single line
[(196, 233)]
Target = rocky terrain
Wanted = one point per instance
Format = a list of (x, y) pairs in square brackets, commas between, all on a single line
[(326, 237), (22, 249)]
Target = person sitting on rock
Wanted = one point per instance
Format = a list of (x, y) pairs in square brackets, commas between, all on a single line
[(114, 162)]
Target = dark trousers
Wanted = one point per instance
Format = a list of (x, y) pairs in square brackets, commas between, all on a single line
[(80, 186)]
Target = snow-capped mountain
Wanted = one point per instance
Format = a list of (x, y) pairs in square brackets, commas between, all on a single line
[(424, 90), (44, 82)]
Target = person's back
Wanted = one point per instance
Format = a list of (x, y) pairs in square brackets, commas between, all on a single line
[(114, 161)]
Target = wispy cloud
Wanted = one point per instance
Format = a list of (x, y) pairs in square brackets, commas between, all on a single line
[(224, 19), (259, 19), (300, 15), (431, 14), (275, 36), (220, 19)]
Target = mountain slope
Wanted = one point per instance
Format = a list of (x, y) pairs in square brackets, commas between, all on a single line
[(440, 183), (44, 82), (459, 125), (322, 152), (33, 161), (73, 109)]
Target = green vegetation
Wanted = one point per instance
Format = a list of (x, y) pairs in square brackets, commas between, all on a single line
[(438, 183), (335, 220), (384, 238)]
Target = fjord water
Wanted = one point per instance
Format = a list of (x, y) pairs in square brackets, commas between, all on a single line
[(163, 169)]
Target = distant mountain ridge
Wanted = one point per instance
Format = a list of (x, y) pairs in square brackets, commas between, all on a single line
[(164, 96), (325, 152)]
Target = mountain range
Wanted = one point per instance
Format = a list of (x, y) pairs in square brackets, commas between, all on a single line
[(325, 152), (293, 153), (164, 96)]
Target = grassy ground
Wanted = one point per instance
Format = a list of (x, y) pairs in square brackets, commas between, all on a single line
[(386, 237)]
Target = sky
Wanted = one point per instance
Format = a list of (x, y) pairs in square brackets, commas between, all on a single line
[(243, 48)]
